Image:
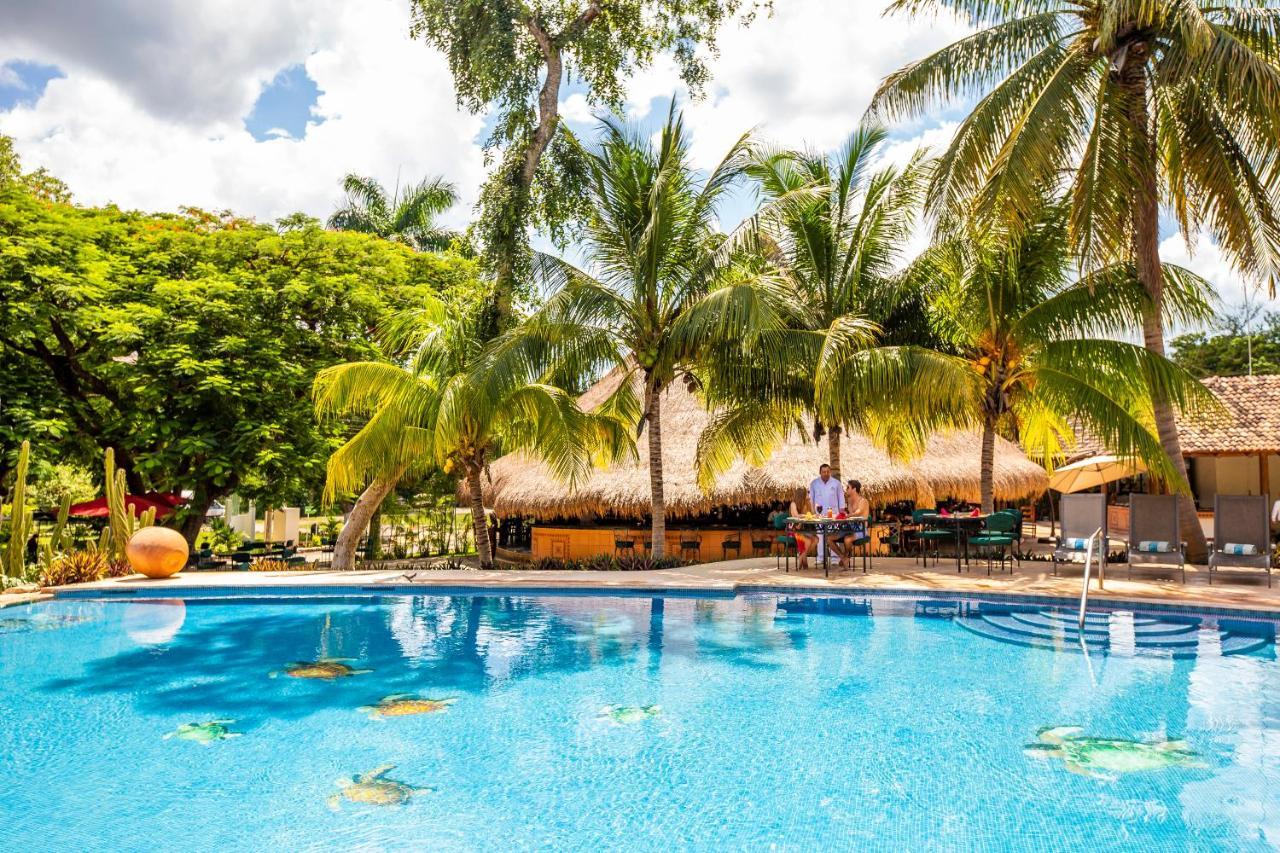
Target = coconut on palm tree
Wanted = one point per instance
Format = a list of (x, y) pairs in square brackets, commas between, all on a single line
[(1133, 105), (430, 410), (1035, 350), (406, 216), (835, 228), (663, 282)]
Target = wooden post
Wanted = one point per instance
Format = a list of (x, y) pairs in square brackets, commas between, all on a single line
[(1264, 474)]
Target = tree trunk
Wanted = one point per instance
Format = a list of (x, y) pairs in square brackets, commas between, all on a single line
[(195, 510), (479, 521), (658, 507), (373, 542), (988, 464), (344, 551), (833, 451), (1146, 249)]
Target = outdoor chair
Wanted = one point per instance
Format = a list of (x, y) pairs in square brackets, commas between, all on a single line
[(863, 544), (693, 546), (623, 544), (240, 561), (1241, 534), (731, 543), (997, 536), (1153, 533), (1081, 516), (930, 534)]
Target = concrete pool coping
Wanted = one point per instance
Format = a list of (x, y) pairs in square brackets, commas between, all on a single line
[(891, 576)]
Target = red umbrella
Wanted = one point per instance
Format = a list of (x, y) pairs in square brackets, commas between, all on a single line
[(98, 508)]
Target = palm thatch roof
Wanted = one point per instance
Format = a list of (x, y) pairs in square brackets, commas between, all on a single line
[(948, 468)]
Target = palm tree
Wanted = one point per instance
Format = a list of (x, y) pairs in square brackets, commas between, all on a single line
[(1033, 351), (665, 284), (1136, 104), (406, 217), (836, 228), (432, 410)]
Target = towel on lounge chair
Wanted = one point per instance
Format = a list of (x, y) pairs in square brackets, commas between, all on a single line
[(1076, 543), (1238, 550), (1154, 547)]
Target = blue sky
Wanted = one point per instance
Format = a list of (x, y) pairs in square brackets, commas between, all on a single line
[(285, 106), (261, 108)]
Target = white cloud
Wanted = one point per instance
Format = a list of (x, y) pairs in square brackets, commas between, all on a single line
[(386, 109), (11, 79), (1207, 260), (803, 76)]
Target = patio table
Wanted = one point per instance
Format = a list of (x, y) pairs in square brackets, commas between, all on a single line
[(959, 522), (824, 527)]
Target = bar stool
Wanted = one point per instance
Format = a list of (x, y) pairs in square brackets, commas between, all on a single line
[(731, 543), (620, 545), (694, 545)]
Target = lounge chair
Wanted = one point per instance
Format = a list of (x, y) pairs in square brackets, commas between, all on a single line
[(1241, 534), (1081, 516), (1153, 533)]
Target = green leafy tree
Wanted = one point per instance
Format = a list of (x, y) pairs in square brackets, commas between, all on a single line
[(406, 216), (1136, 104), (665, 285), (189, 343), (1236, 349), (431, 409), (513, 57), (1033, 348)]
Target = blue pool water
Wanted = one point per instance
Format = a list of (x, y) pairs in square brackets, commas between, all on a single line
[(782, 722)]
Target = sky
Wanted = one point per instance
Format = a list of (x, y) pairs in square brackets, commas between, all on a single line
[(262, 107)]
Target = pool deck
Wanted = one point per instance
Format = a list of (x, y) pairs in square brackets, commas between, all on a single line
[(755, 575)]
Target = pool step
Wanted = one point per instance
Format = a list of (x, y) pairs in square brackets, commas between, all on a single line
[(1057, 628)]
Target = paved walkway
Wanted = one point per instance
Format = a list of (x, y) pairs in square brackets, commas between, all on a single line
[(762, 574)]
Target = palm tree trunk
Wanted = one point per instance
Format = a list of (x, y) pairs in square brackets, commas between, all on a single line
[(344, 550), (479, 521), (988, 464), (1146, 246), (658, 507), (833, 451)]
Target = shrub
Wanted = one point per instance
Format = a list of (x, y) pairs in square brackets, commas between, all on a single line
[(266, 564), (77, 567), (608, 563)]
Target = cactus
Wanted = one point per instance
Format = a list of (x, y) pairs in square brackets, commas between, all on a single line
[(124, 519), (20, 524), (60, 541)]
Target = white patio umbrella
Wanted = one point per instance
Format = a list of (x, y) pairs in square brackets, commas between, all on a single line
[(1094, 471)]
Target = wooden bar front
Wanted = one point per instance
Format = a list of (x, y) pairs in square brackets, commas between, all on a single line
[(576, 543)]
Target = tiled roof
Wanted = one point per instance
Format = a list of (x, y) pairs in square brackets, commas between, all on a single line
[(1250, 425)]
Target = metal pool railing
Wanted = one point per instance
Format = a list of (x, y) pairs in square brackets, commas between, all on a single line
[(1088, 564)]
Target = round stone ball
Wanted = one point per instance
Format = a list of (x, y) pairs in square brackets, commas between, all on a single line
[(157, 552)]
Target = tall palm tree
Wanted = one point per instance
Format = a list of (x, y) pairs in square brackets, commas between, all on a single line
[(665, 281), (835, 227), (1035, 350), (1136, 104), (432, 410), (406, 216)]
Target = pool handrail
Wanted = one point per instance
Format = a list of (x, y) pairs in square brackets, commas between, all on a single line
[(1088, 564)]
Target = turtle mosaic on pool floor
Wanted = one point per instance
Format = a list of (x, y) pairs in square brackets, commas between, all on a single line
[(1106, 758), (375, 789), (405, 705), (325, 669)]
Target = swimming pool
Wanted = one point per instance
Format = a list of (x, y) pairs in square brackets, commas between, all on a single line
[(576, 722)]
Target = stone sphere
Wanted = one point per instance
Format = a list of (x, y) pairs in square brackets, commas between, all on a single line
[(157, 552)]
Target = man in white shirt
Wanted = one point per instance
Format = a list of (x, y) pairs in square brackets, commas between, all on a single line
[(825, 493)]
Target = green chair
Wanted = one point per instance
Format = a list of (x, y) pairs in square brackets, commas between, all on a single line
[(926, 534), (863, 543), (786, 544), (997, 536)]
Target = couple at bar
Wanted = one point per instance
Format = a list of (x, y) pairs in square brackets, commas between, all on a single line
[(826, 493)]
